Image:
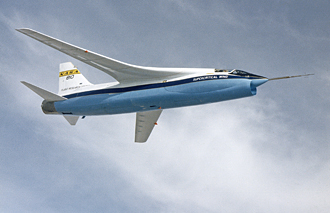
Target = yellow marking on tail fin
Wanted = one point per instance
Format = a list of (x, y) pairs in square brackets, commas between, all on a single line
[(69, 72)]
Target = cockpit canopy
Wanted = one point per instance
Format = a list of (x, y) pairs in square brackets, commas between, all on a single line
[(239, 73)]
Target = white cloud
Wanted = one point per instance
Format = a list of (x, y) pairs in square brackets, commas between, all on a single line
[(253, 154)]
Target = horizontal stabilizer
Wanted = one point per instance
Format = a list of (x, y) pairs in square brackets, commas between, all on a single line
[(145, 122), (71, 119), (48, 96)]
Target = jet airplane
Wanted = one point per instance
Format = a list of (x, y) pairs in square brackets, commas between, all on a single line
[(146, 91)]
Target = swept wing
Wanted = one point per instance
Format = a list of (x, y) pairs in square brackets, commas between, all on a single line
[(123, 72)]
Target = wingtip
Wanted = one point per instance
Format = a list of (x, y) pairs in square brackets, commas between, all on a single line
[(20, 29), (24, 30), (137, 141), (26, 83)]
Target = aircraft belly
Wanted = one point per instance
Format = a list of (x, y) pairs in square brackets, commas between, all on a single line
[(158, 98), (86, 105), (210, 92)]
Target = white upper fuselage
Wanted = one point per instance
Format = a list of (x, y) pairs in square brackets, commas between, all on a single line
[(195, 74), (180, 74)]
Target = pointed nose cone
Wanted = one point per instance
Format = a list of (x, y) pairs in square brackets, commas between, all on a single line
[(257, 82)]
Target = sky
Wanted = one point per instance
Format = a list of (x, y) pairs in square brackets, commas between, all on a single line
[(266, 153)]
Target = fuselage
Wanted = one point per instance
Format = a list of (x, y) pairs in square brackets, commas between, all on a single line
[(196, 89)]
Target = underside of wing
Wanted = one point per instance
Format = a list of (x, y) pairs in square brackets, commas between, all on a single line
[(122, 72), (145, 122)]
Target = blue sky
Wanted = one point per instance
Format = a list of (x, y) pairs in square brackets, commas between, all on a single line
[(267, 153)]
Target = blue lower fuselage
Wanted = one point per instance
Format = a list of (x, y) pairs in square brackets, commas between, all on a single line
[(157, 96)]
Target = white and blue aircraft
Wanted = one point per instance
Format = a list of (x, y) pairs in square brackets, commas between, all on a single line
[(144, 90)]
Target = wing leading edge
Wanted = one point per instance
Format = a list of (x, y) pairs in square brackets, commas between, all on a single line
[(123, 72)]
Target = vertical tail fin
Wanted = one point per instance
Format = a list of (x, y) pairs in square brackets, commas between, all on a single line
[(70, 79)]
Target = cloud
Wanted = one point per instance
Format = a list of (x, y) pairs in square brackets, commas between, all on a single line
[(264, 153)]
